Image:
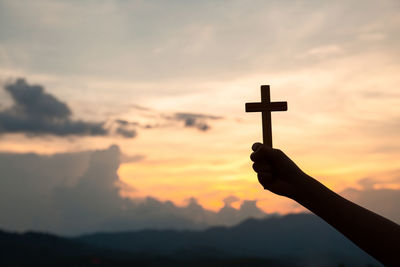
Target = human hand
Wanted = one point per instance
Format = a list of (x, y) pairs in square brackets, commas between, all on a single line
[(277, 172)]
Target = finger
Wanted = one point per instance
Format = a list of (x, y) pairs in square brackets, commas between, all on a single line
[(262, 167), (265, 179), (255, 146), (264, 153)]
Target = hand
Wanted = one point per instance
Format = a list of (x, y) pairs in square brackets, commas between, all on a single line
[(277, 172), (371, 232)]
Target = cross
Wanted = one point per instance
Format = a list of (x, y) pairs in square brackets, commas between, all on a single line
[(265, 107)]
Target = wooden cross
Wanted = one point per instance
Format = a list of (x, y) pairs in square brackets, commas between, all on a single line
[(265, 107)]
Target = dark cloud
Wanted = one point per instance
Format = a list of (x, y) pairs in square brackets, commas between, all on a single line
[(125, 132), (122, 122), (126, 123), (184, 116), (162, 120), (32, 100), (35, 112), (126, 128), (196, 120), (79, 192)]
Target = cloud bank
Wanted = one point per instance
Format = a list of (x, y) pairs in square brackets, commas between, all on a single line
[(156, 119), (36, 112), (163, 40), (72, 193)]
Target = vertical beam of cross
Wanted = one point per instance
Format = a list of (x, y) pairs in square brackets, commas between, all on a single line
[(266, 116), (266, 107)]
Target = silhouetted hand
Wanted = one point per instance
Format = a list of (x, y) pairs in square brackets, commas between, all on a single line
[(373, 233), (277, 172)]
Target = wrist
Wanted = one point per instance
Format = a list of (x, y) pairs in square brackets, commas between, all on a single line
[(307, 189)]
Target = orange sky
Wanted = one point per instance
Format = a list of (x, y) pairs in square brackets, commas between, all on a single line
[(336, 64)]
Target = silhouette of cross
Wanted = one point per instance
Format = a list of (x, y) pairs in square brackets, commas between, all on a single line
[(265, 107)]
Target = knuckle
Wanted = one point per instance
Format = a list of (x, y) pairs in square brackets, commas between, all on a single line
[(253, 156), (255, 167), (256, 145), (278, 153)]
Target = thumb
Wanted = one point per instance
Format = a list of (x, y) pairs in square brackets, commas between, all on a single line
[(256, 146)]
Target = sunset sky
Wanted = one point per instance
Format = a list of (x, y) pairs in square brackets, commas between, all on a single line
[(169, 81)]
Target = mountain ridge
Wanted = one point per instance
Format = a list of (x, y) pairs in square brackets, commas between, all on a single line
[(290, 240)]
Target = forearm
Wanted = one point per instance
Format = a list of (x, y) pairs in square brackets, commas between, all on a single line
[(374, 234)]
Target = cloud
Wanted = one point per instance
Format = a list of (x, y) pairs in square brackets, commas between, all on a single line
[(36, 112), (128, 133), (72, 193), (131, 158), (157, 119), (367, 183), (230, 199), (188, 39), (383, 201), (123, 123), (32, 100), (248, 209), (196, 120), (26, 185)]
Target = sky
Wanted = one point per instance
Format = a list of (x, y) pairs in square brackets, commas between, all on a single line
[(139, 105)]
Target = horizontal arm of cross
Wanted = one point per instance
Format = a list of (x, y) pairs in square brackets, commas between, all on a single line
[(272, 106)]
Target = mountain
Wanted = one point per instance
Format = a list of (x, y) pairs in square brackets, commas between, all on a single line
[(292, 240), (296, 238), (39, 248)]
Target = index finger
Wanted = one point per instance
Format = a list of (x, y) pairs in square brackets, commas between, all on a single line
[(263, 152), (255, 146)]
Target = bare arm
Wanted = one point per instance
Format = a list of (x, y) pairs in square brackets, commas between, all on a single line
[(373, 233)]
